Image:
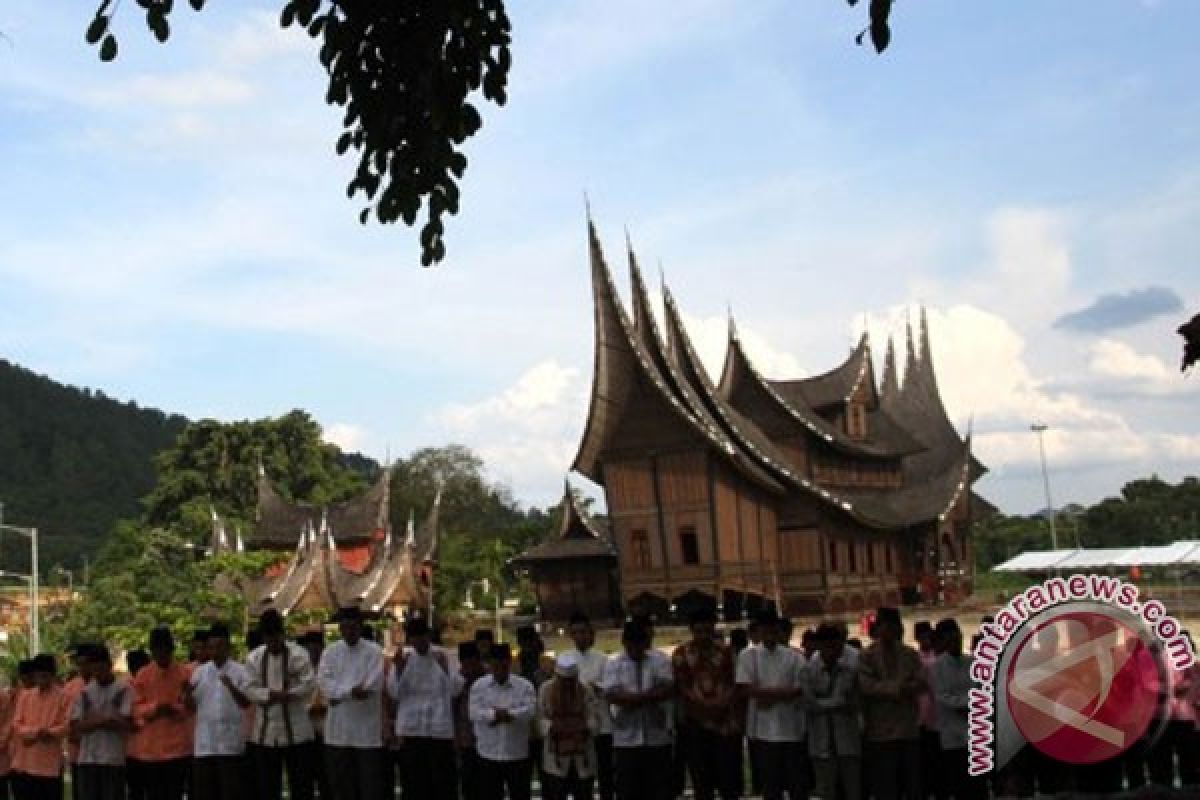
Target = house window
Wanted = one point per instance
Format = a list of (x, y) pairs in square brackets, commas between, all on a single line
[(870, 558), (833, 561), (688, 545), (851, 557), (887, 557), (640, 547), (962, 549)]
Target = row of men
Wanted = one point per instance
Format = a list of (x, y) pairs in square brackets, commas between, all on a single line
[(808, 717)]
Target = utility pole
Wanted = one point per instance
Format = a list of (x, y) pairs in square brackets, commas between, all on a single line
[(1040, 430), (35, 640)]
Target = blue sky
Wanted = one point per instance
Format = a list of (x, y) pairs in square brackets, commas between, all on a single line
[(174, 227)]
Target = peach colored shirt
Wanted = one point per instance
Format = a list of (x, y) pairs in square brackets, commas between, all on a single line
[(8, 702), (40, 712), (165, 737)]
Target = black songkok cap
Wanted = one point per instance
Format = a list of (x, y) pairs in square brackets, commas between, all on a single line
[(44, 662), (502, 652), (270, 621), (416, 626), (467, 650), (161, 637)]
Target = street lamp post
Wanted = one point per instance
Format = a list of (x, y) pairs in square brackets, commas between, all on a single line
[(35, 639), (1040, 429)]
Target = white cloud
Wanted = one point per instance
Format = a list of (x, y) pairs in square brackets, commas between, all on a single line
[(528, 432), (197, 89), (348, 436), (1115, 359)]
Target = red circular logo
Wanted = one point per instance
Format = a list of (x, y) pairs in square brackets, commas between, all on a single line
[(1083, 687)]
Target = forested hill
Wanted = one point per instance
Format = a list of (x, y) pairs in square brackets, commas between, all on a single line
[(72, 462)]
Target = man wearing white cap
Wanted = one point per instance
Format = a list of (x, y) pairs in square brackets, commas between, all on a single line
[(568, 720)]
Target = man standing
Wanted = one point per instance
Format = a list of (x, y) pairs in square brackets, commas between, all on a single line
[(502, 707), (891, 677), (165, 723), (281, 684), (8, 705), (568, 718), (927, 713), (639, 684), (709, 734), (100, 718), (216, 692), (834, 738), (424, 689), (351, 679), (770, 677), (952, 684), (39, 729), (591, 674), (470, 669)]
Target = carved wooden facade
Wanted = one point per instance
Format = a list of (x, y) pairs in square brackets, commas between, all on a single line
[(828, 494)]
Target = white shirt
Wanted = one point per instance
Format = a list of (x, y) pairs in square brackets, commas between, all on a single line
[(103, 747), (951, 691), (591, 673), (351, 722), (504, 741), (281, 724), (218, 716), (424, 693), (781, 668), (643, 726)]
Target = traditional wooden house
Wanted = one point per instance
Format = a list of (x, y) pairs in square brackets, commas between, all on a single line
[(342, 555), (574, 571), (828, 494)]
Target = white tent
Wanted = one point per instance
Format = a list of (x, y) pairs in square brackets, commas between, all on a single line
[(1178, 554)]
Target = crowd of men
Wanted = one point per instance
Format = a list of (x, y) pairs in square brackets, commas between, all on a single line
[(828, 717)]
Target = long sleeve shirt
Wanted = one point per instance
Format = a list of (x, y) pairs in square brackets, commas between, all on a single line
[(951, 689), (778, 668), (592, 664), (424, 693), (502, 741), (103, 746), (352, 722), (164, 724), (829, 696), (41, 713), (218, 716), (889, 682), (72, 689), (646, 725), (926, 704), (287, 723), (704, 680)]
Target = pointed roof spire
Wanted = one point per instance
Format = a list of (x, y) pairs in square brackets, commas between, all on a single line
[(432, 527), (890, 384), (410, 533), (926, 348), (910, 362)]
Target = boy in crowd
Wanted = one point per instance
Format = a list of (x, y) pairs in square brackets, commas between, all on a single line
[(164, 722), (39, 730), (502, 708), (101, 716), (216, 692)]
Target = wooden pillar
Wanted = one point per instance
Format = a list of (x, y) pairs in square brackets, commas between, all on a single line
[(662, 527)]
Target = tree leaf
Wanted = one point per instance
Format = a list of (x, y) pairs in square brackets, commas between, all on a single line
[(881, 36), (197, 4), (157, 22), (108, 48), (97, 29)]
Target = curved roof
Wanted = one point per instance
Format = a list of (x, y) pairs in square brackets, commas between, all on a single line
[(622, 365), (885, 437), (577, 538), (832, 388), (279, 521)]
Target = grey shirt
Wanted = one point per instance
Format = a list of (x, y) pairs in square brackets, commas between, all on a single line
[(951, 692), (831, 697), (103, 747)]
